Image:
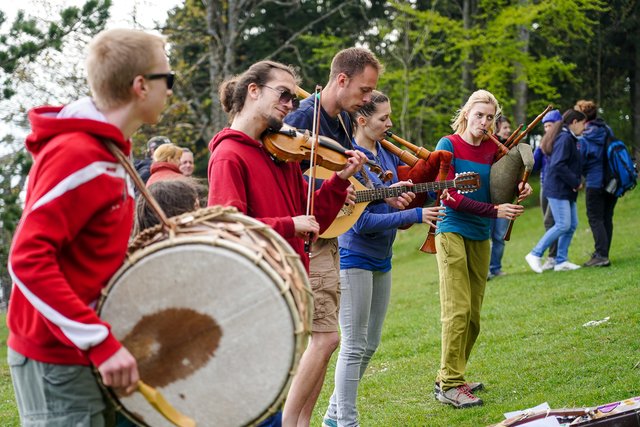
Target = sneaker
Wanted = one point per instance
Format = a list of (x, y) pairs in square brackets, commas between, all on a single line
[(566, 266), (549, 264), (597, 261), (475, 386), (535, 262), (328, 422), (459, 397)]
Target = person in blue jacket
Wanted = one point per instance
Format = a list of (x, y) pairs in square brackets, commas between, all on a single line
[(540, 164), (365, 264), (600, 204), (561, 184)]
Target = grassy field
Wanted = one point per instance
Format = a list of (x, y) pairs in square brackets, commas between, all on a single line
[(533, 347)]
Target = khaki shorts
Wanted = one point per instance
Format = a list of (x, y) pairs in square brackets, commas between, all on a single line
[(324, 276)]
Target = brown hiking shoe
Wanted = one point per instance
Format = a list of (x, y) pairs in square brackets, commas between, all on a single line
[(475, 386), (459, 397)]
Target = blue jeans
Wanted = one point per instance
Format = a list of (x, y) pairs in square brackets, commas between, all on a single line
[(499, 228), (364, 300), (565, 215)]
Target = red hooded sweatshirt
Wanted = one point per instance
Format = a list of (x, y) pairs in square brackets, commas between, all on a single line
[(243, 174), (71, 239), (164, 171)]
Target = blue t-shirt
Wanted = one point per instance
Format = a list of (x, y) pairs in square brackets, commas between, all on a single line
[(368, 244)]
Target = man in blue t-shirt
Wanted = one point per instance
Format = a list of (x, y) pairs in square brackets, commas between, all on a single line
[(354, 75)]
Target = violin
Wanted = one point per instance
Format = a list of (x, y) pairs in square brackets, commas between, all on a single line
[(291, 145)]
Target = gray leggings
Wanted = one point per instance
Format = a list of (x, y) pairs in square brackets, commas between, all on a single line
[(363, 305)]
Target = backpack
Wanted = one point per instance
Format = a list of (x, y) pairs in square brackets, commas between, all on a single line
[(621, 173)]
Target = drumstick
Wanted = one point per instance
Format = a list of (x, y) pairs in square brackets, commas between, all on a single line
[(155, 398)]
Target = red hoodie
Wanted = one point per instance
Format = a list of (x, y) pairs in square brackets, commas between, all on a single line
[(71, 239), (164, 171), (242, 174)]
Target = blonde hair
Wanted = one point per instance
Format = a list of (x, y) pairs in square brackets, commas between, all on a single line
[(459, 122), (167, 153), (115, 58)]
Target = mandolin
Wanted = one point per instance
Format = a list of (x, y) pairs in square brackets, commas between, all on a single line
[(465, 182)]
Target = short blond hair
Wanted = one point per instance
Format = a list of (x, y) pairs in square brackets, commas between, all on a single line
[(114, 59), (459, 122), (167, 153)]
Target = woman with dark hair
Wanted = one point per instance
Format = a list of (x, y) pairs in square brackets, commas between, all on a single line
[(561, 185), (600, 204), (365, 264), (175, 197)]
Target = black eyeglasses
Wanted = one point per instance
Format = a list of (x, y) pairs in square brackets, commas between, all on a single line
[(286, 96), (170, 77)]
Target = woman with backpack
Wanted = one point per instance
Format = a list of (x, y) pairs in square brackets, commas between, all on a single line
[(600, 204), (561, 184)]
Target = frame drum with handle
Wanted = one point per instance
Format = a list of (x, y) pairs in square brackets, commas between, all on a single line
[(217, 313)]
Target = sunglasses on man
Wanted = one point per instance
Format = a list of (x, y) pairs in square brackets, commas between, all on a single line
[(286, 96), (170, 77)]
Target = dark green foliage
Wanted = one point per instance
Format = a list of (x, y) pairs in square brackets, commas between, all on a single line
[(27, 39)]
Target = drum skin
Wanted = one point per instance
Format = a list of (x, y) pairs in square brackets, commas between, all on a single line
[(212, 319), (507, 172)]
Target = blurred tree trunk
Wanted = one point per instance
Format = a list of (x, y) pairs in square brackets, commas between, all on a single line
[(467, 82), (520, 75)]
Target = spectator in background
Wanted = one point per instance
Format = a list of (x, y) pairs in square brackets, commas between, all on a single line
[(186, 162), (600, 204), (166, 164), (541, 161), (561, 186), (143, 166), (499, 226), (174, 197)]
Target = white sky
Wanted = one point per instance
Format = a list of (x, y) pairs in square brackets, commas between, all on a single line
[(146, 11), (142, 14)]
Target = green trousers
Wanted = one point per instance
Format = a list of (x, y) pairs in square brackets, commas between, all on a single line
[(463, 265)]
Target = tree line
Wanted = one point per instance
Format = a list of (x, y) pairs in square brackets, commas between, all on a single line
[(529, 53)]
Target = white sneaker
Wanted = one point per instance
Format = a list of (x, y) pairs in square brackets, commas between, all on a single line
[(535, 262), (566, 266), (549, 264)]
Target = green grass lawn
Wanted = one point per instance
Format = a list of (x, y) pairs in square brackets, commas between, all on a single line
[(533, 347)]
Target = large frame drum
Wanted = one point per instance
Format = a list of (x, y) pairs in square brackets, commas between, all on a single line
[(217, 313)]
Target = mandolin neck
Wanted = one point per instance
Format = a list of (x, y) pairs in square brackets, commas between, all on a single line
[(384, 192)]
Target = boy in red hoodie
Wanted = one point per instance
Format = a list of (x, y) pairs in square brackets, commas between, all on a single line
[(74, 231)]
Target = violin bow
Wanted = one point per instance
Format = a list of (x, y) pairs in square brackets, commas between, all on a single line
[(313, 158)]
